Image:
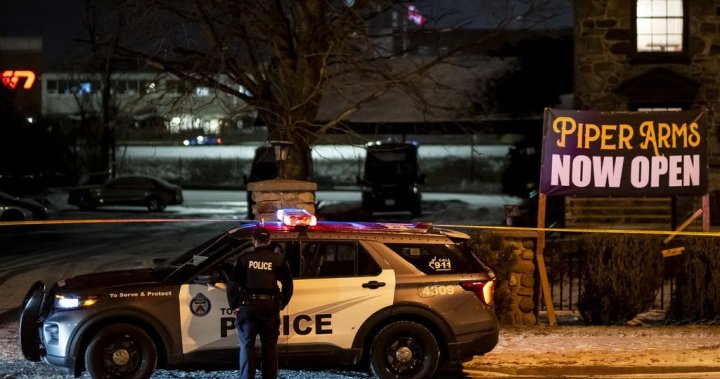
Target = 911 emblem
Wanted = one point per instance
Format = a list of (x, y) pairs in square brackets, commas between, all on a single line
[(440, 264)]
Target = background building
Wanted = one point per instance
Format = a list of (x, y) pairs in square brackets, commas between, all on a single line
[(645, 55), (144, 100)]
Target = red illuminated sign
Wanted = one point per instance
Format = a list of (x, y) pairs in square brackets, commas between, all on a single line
[(415, 16), (11, 78)]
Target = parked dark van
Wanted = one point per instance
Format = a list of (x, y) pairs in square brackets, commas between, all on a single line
[(391, 178)]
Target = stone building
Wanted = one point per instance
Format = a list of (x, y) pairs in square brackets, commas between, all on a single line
[(618, 68), (645, 55)]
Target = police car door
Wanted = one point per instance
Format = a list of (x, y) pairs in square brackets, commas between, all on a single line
[(206, 321), (338, 285)]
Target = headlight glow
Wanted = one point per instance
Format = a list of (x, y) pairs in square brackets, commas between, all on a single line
[(73, 302)]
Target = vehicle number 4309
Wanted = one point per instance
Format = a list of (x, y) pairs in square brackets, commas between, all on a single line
[(435, 290)]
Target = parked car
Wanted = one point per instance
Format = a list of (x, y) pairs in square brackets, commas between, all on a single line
[(135, 190), (391, 177), (20, 209), (399, 299)]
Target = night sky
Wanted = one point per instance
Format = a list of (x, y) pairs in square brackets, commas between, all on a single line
[(58, 22)]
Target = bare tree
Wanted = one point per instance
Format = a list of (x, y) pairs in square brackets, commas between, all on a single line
[(104, 35), (281, 57), (90, 84)]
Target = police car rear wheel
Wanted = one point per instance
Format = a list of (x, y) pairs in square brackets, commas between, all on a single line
[(121, 351), (404, 349)]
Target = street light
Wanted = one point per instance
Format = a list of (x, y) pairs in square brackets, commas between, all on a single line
[(282, 151)]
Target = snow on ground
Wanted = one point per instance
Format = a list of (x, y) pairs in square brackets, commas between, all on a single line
[(629, 350)]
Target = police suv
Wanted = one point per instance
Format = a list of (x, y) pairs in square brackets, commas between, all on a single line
[(400, 298)]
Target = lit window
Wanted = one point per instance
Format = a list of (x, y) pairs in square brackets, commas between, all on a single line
[(202, 91), (150, 87), (659, 25), (85, 87)]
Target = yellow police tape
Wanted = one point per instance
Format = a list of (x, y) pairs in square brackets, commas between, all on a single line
[(576, 230), (449, 226), (110, 221)]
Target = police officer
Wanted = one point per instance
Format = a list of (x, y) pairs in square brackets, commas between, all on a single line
[(258, 303)]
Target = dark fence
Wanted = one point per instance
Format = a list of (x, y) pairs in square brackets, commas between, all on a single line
[(564, 271)]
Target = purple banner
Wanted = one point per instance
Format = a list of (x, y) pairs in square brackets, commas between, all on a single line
[(624, 153)]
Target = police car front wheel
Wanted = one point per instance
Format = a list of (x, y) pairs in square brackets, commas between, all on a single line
[(404, 349), (121, 351)]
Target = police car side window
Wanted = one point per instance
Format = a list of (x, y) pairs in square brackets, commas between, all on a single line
[(335, 259), (437, 259)]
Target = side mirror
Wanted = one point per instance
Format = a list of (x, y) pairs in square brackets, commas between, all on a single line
[(202, 279), (422, 179), (359, 180), (245, 179)]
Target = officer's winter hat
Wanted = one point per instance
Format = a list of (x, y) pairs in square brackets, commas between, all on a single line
[(261, 234)]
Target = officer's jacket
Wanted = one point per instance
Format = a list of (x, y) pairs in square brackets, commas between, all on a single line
[(257, 273)]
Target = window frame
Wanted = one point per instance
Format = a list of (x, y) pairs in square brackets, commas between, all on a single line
[(456, 255), (681, 56), (359, 252)]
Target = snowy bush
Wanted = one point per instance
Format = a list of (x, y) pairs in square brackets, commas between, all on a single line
[(621, 277), (696, 297)]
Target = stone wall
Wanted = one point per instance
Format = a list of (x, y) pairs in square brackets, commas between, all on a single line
[(271, 195), (521, 284)]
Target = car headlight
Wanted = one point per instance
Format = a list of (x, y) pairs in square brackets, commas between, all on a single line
[(67, 301)]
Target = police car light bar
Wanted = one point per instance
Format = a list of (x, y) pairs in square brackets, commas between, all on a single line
[(295, 217)]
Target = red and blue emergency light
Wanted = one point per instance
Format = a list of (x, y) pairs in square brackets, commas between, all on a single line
[(294, 217)]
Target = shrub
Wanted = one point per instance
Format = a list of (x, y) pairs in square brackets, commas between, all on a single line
[(696, 297), (493, 250), (621, 277)]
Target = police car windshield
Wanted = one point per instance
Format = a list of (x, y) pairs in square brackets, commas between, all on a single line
[(206, 250), (199, 257), (202, 249)]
